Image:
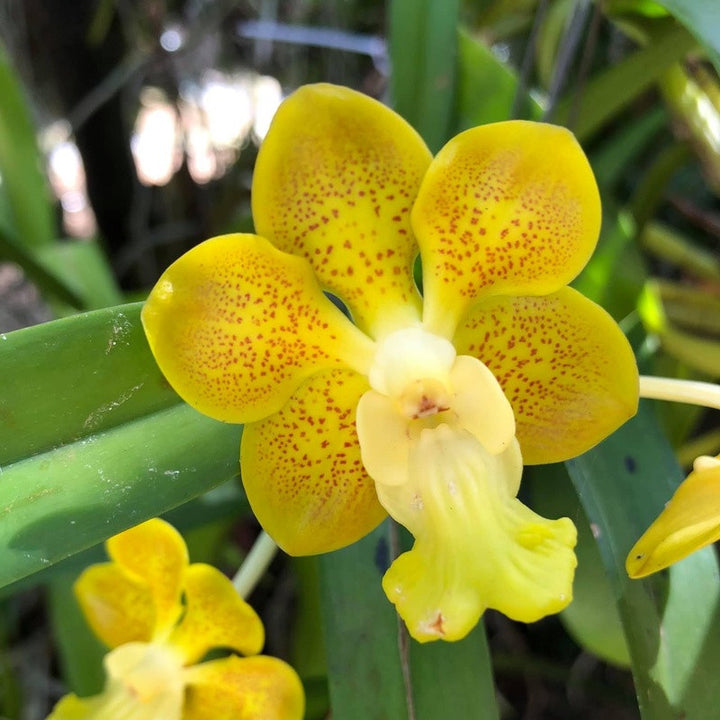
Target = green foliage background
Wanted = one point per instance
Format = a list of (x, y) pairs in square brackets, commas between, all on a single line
[(92, 440)]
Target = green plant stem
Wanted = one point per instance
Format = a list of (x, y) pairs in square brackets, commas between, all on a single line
[(255, 564), (692, 392), (403, 638)]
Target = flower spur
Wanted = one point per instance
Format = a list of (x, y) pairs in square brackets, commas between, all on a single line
[(424, 406)]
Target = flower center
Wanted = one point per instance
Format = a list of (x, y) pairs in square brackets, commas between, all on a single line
[(411, 363), (418, 382), (145, 682), (423, 398)]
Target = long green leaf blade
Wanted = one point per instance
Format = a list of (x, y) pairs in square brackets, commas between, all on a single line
[(423, 54), (610, 91), (702, 19), (365, 664), (671, 620), (23, 181), (93, 440)]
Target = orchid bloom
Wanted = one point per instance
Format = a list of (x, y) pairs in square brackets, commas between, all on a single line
[(690, 521), (424, 405), (161, 615)]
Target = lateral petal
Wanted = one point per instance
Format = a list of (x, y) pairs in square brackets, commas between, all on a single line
[(156, 552), (302, 469), (236, 326), (334, 182), (117, 605), (562, 362), (233, 688), (509, 208), (215, 616)]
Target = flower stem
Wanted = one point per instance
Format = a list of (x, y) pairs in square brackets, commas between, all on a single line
[(255, 564), (403, 637), (692, 392)]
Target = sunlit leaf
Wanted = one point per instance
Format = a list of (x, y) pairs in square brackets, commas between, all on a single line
[(94, 440)]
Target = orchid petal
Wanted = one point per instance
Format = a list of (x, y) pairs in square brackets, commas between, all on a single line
[(509, 208), (144, 682), (155, 552), (117, 605), (215, 616), (690, 521), (474, 401), (71, 707), (302, 469), (334, 182), (476, 546), (233, 688), (236, 326), (564, 365)]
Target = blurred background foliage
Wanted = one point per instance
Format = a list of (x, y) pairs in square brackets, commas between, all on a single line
[(128, 133)]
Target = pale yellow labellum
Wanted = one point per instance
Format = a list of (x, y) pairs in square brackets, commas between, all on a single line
[(437, 436)]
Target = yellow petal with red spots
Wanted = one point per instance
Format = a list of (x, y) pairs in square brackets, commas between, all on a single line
[(302, 469), (118, 606), (215, 616), (564, 365), (508, 208), (236, 326), (156, 553), (233, 688), (690, 521), (334, 182)]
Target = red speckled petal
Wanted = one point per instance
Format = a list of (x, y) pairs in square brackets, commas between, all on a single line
[(302, 468), (334, 182), (215, 616), (155, 552), (564, 365), (236, 326), (233, 688), (509, 208)]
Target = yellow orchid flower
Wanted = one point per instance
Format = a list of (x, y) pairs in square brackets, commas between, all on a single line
[(160, 616), (690, 521), (423, 406)]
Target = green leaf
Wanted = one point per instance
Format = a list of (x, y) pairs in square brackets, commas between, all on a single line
[(592, 617), (80, 652), (83, 267), (423, 53), (702, 19), (486, 87), (610, 91), (615, 274), (452, 680), (95, 440), (44, 276), (671, 620), (20, 166)]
